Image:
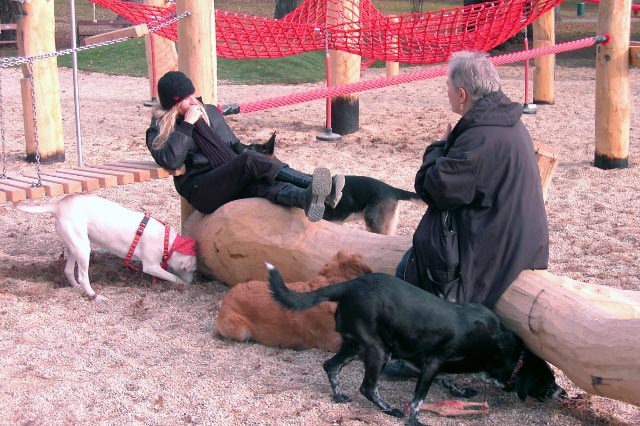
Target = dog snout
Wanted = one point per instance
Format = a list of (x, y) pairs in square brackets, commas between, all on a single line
[(556, 392)]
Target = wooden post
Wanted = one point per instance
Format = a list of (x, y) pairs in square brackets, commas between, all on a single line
[(613, 93), (544, 34), (197, 56), (36, 35), (162, 56), (345, 69), (392, 67)]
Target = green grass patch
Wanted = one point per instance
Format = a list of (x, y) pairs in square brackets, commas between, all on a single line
[(128, 58), (124, 58)]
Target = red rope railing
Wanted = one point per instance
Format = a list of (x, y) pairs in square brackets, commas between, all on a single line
[(409, 77)]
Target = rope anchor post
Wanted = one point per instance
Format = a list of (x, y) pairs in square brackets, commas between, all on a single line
[(527, 108), (328, 135)]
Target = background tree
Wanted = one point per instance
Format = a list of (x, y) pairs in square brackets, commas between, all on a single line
[(285, 6)]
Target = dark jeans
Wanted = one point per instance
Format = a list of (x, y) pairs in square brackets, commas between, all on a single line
[(250, 174), (403, 264)]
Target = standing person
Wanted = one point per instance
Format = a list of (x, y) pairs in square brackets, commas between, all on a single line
[(194, 139), (486, 221)]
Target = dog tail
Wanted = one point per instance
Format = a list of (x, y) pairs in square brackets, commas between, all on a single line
[(32, 208), (294, 300), (404, 195)]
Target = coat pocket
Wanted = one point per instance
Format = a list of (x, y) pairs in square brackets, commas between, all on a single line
[(440, 257)]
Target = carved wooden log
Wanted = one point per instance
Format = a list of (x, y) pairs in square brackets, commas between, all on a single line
[(591, 335), (588, 331), (236, 240)]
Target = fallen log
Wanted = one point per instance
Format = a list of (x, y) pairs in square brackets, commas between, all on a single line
[(236, 240), (590, 332)]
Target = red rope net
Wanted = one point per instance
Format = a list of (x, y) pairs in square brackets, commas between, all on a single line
[(354, 26)]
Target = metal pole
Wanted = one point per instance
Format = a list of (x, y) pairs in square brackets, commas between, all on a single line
[(74, 62)]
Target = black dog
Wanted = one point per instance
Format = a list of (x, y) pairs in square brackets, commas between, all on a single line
[(266, 148), (372, 200), (363, 197), (380, 316)]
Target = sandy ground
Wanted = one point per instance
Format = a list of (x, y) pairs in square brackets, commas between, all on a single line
[(147, 354)]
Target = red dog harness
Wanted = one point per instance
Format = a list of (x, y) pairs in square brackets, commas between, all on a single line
[(181, 244)]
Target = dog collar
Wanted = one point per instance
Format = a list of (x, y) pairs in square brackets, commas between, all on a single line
[(136, 239), (512, 380), (165, 251)]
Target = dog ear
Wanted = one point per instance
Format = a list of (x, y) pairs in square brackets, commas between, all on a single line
[(524, 383)]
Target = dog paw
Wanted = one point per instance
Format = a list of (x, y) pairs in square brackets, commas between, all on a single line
[(463, 392), (340, 398), (395, 412)]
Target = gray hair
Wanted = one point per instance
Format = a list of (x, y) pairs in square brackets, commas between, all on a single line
[(473, 72)]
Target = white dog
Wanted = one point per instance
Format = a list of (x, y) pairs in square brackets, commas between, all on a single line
[(85, 218)]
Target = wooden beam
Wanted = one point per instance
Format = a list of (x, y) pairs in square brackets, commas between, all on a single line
[(613, 92), (634, 53), (51, 189), (136, 31), (36, 29), (544, 71), (31, 192), (69, 186)]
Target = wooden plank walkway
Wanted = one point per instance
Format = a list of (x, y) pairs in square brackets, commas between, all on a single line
[(78, 179)]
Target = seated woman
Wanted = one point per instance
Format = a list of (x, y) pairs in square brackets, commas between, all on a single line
[(194, 139)]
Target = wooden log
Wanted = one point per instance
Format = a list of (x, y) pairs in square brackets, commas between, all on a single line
[(236, 240), (613, 92), (596, 349), (573, 325), (544, 72), (36, 29)]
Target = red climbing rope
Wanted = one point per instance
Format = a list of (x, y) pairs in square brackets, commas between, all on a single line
[(355, 27), (408, 77)]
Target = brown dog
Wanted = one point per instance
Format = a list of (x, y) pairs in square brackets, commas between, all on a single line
[(248, 311)]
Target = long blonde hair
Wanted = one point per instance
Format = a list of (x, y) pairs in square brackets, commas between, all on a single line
[(166, 122)]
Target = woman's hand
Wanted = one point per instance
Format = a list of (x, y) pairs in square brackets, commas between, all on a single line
[(445, 134), (193, 114)]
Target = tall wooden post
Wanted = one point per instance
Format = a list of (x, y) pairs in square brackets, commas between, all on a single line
[(613, 110), (197, 55), (162, 56), (544, 34), (345, 69), (393, 67), (36, 29)]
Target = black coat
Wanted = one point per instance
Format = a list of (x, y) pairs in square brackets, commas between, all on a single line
[(181, 149), (485, 178)]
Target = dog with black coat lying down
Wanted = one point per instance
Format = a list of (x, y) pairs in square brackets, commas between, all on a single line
[(380, 316), (363, 198)]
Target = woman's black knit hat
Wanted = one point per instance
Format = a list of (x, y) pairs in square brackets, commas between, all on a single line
[(173, 87)]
